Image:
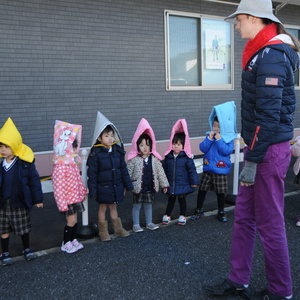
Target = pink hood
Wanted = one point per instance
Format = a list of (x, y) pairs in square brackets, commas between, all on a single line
[(181, 126), (64, 136), (143, 127)]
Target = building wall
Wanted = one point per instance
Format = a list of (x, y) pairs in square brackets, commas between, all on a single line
[(67, 59)]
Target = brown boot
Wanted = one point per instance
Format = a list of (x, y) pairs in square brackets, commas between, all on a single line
[(118, 228), (103, 232)]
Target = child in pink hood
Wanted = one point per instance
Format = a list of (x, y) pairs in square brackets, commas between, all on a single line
[(68, 187), (180, 170), (147, 174)]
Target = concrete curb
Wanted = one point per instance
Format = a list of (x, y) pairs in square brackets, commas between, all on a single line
[(113, 237)]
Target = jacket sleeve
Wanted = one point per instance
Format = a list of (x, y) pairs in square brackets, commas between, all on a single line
[(205, 145), (224, 149), (192, 172), (92, 172), (125, 175), (130, 168), (162, 178), (35, 185)]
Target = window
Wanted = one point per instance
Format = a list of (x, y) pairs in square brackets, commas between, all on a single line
[(295, 32), (198, 52)]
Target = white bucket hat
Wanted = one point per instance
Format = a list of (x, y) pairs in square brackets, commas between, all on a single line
[(257, 8)]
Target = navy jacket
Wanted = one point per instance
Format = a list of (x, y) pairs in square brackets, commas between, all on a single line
[(268, 99), (108, 175), (27, 188), (181, 173)]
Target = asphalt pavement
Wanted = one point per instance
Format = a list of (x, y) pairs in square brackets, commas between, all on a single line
[(174, 262)]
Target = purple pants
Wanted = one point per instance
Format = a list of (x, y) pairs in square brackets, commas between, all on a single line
[(260, 208)]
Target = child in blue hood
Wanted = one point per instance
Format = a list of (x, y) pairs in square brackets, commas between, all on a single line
[(216, 167)]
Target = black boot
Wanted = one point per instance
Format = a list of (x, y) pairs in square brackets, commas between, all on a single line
[(267, 295), (226, 288)]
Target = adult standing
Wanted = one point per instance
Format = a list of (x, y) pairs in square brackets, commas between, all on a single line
[(268, 102)]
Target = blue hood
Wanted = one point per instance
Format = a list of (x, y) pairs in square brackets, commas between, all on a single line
[(226, 114)]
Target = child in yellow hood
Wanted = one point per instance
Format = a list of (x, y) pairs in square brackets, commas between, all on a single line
[(20, 189)]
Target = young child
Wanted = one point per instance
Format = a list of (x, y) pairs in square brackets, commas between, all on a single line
[(68, 187), (146, 173), (107, 175), (296, 168), (180, 170), (20, 189), (216, 161)]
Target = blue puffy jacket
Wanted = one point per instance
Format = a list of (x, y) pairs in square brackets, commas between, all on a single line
[(27, 188), (268, 99), (108, 175), (216, 155), (181, 173)]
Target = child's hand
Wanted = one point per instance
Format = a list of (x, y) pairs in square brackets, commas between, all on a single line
[(39, 205), (217, 136), (193, 186), (165, 190), (211, 135)]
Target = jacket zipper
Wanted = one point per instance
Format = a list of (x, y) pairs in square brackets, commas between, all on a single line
[(174, 176), (255, 137)]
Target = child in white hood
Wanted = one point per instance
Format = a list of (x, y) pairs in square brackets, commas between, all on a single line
[(108, 176)]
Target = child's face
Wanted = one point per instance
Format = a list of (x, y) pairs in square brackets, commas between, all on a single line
[(107, 138), (6, 152), (216, 126), (177, 147), (144, 148)]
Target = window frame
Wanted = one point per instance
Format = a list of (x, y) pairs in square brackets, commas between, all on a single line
[(201, 86)]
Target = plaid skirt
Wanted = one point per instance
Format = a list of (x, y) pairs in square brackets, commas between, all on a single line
[(73, 209), (143, 198), (213, 181), (15, 220)]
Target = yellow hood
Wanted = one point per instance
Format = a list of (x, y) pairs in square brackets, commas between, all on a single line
[(10, 136)]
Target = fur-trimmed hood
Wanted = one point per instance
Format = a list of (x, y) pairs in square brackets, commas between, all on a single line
[(180, 126), (100, 125), (226, 114), (64, 136), (143, 128), (10, 136)]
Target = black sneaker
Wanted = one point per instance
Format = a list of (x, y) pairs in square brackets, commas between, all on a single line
[(226, 288), (267, 295), (5, 259), (198, 213), (221, 217), (28, 254)]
